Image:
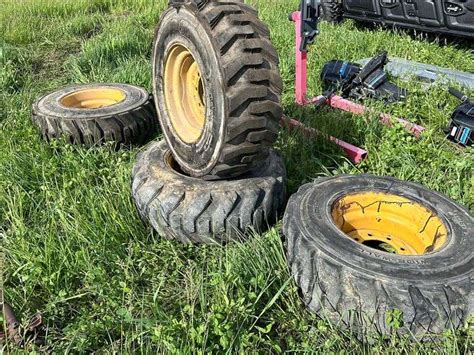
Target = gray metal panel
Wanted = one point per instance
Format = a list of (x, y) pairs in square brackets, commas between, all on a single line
[(407, 69)]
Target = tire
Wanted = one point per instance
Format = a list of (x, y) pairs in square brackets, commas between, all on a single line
[(93, 114), (230, 118), (356, 285), (332, 11), (195, 210)]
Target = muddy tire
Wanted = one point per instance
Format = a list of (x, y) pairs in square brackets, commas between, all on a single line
[(332, 11), (217, 87), (194, 210), (93, 114), (360, 247)]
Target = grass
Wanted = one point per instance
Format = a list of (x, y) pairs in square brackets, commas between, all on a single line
[(74, 248)]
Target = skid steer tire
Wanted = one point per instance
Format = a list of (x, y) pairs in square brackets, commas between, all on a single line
[(337, 231), (217, 87), (195, 210), (93, 114), (332, 11)]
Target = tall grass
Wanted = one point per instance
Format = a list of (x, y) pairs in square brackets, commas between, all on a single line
[(74, 246)]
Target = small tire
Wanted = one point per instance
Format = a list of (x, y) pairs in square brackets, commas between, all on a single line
[(195, 210), (224, 121), (357, 286), (93, 114), (332, 11)]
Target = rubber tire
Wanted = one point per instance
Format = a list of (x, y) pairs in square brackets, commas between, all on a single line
[(195, 210), (239, 68), (354, 286), (332, 11), (131, 121)]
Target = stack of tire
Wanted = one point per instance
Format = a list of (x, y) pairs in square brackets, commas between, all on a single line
[(217, 88)]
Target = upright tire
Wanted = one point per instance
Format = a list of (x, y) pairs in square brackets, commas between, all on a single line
[(91, 114), (332, 10), (194, 210), (360, 247), (217, 87)]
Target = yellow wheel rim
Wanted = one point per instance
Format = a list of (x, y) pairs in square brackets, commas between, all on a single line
[(184, 94), (93, 98), (389, 223)]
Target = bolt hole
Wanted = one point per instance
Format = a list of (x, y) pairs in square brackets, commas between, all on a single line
[(369, 235), (379, 245), (356, 239), (402, 249), (388, 238)]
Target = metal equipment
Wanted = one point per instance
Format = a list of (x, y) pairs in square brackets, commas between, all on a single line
[(426, 73), (306, 25), (461, 127)]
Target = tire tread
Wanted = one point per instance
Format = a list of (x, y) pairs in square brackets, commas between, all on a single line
[(205, 215)]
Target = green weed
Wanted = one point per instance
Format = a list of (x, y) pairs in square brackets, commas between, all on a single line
[(75, 248)]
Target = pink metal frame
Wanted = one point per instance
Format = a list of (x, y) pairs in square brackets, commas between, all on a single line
[(354, 153), (301, 64)]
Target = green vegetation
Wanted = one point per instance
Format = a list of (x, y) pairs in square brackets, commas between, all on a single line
[(74, 247)]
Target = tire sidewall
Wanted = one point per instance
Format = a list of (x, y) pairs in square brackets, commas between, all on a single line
[(156, 156), (453, 260), (186, 28)]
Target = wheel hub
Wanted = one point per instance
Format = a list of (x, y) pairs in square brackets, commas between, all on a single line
[(389, 223), (93, 98), (184, 94)]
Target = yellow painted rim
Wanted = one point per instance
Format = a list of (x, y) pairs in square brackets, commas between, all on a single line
[(93, 98), (389, 223), (184, 94)]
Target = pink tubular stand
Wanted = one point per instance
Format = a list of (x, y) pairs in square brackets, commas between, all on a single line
[(355, 154)]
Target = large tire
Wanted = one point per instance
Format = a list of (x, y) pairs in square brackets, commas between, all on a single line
[(92, 114), (332, 11), (355, 285), (230, 117), (195, 210)]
